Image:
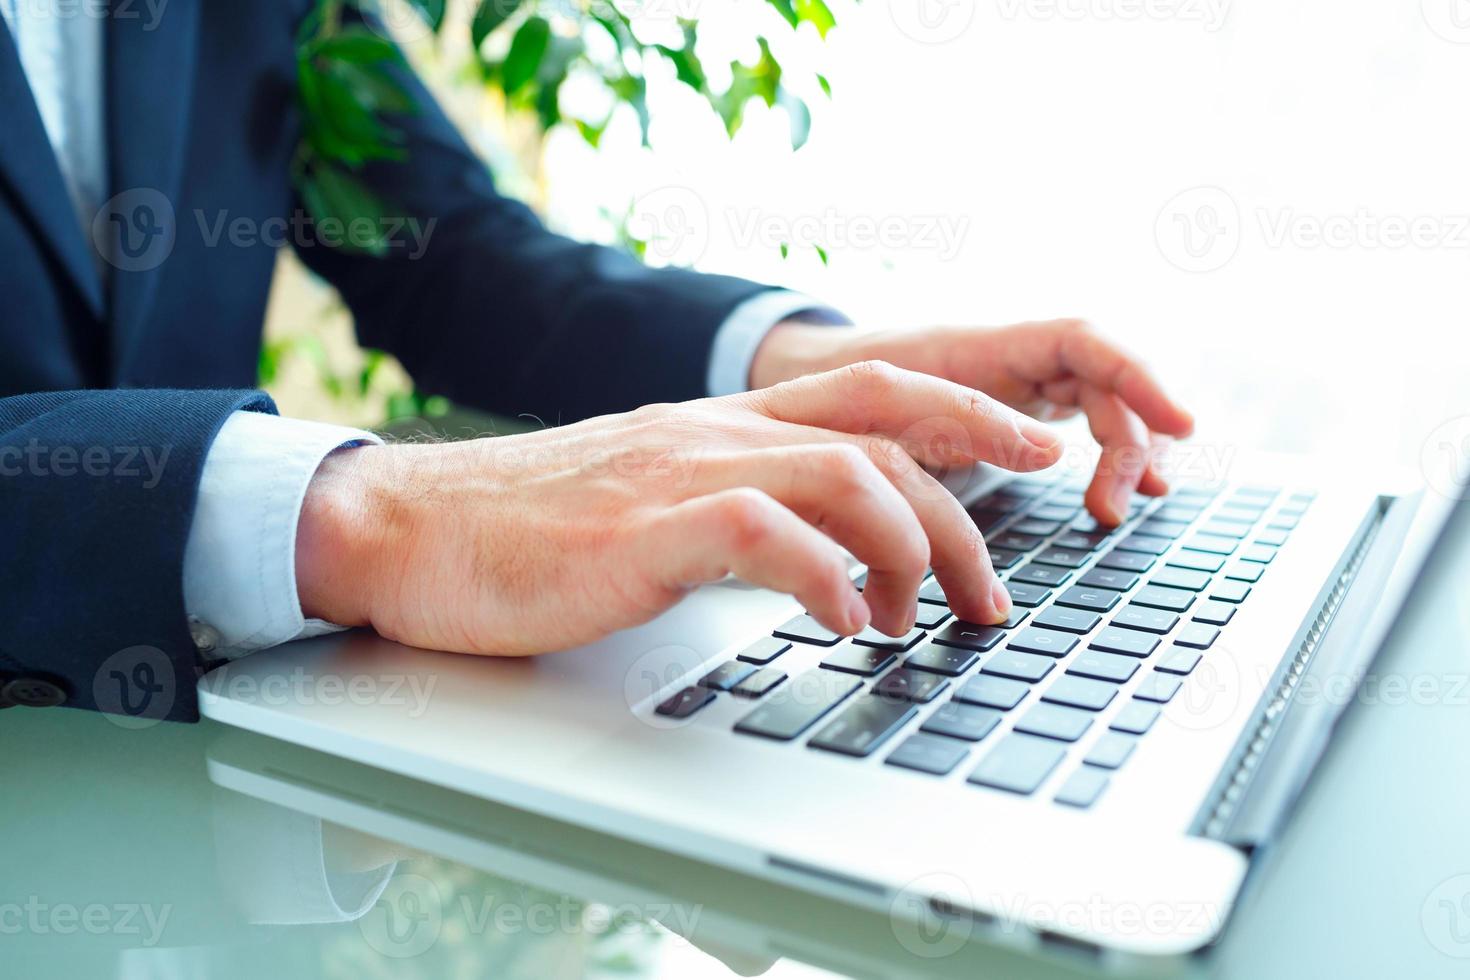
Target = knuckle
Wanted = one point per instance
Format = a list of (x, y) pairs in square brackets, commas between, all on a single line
[(1074, 324), (980, 405), (845, 465), (745, 514), (890, 457), (873, 377)]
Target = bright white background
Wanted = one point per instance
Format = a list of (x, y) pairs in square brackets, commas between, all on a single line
[(1035, 158)]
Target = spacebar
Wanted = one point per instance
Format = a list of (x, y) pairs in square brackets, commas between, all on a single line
[(797, 706)]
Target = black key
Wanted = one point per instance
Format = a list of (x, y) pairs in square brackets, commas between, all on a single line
[(962, 721), (930, 591), (968, 636), (1159, 597), (992, 692), (1020, 666), (1051, 512), (1214, 544), (902, 684), (1180, 578), (1088, 524), (1110, 751), (1147, 544), (1157, 687), (759, 683), (1042, 528), (863, 726), (870, 637), (1082, 788), (1068, 498), (1081, 597), (1197, 635), (951, 661), (1131, 642), (1274, 536), (1041, 575), (1135, 718), (1002, 502), (807, 630), (1197, 560), (1178, 660), (928, 753), (930, 617), (1081, 541), (1230, 591), (1068, 620), (1003, 558), (1128, 561), (1214, 613), (797, 706), (764, 650), (1027, 595), (1079, 692), (726, 675), (987, 520), (1018, 764), (1245, 571), (1050, 642), (1013, 619), (1103, 666), (1054, 721), (1117, 579), (1163, 529), (685, 703), (1063, 558), (1014, 541), (1260, 553), (863, 661), (1144, 618)]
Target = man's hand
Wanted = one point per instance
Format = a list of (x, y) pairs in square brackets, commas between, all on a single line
[(1050, 370), (539, 542)]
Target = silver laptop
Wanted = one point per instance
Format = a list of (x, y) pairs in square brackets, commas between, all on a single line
[(1100, 774)]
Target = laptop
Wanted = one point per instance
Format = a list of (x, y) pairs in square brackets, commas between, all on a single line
[(1099, 775)]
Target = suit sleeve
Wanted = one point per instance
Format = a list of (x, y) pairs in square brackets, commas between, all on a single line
[(97, 497), (500, 314)]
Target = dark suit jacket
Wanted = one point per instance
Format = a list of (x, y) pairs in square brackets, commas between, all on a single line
[(497, 313)]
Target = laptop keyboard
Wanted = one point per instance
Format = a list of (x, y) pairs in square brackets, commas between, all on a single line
[(1093, 608)]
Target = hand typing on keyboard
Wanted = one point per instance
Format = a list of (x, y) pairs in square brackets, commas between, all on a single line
[(543, 541), (1049, 370)]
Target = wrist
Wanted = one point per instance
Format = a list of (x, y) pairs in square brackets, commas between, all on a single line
[(792, 349), (336, 538)]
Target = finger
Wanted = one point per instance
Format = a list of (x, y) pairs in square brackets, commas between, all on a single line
[(938, 417), (1073, 348), (837, 488), (1124, 454), (957, 550), (745, 532)]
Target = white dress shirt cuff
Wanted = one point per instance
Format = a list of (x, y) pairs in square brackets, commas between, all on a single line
[(240, 560), (740, 336)]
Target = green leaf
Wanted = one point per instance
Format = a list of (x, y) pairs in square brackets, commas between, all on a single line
[(527, 49), (687, 67), (816, 13), (785, 250), (375, 88), (331, 194), (490, 15), (826, 85), (786, 10), (821, 253), (357, 45)]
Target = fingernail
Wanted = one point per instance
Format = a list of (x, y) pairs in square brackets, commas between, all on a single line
[(1122, 497), (1001, 597), (1039, 435), (858, 613)]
